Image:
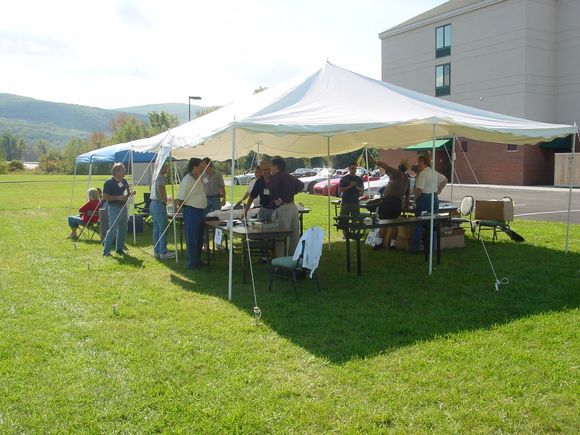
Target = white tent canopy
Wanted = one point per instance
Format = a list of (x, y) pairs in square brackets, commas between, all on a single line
[(335, 111), (296, 118)]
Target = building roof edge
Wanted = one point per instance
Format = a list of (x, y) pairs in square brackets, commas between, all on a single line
[(416, 22)]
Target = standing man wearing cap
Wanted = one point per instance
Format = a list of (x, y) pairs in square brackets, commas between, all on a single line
[(282, 188), (215, 188)]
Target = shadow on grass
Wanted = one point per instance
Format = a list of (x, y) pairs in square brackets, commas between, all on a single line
[(395, 302)]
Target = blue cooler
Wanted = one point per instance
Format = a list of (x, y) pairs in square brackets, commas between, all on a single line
[(138, 218)]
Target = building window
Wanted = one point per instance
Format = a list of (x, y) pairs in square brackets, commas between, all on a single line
[(443, 41), (464, 147), (443, 80), (511, 148)]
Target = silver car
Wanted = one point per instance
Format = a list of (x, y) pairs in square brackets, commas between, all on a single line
[(244, 178)]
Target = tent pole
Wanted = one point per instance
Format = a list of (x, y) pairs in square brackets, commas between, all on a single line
[(133, 202), (328, 184), (258, 160), (431, 219), (368, 172), (73, 188), (90, 173), (572, 167), (452, 166), (173, 178), (231, 218)]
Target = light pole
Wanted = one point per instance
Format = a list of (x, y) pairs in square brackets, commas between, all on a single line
[(189, 103)]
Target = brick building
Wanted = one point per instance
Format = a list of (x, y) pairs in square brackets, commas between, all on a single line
[(517, 57)]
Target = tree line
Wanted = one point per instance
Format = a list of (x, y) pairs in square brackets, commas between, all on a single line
[(124, 128)]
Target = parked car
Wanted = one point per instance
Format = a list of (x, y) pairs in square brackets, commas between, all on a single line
[(244, 178), (376, 187), (304, 172), (310, 182), (321, 188)]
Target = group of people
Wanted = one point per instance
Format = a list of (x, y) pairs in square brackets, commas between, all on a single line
[(202, 190), (396, 196), (116, 193)]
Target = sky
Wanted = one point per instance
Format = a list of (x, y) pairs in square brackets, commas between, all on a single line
[(122, 53)]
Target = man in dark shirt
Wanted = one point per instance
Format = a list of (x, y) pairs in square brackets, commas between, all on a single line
[(282, 188), (261, 189), (116, 192), (351, 186)]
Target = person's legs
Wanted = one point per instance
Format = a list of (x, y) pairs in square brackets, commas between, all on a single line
[(294, 218), (423, 204), (159, 215), (113, 213), (122, 229), (198, 236), (349, 209), (74, 222), (282, 216), (188, 227)]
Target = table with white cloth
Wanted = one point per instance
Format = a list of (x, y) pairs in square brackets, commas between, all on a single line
[(247, 233)]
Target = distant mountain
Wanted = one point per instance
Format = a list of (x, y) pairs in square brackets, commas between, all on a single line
[(33, 120), (179, 109)]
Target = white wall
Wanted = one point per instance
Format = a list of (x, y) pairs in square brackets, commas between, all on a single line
[(521, 56)]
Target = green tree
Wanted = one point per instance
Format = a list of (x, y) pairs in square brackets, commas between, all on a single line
[(42, 147), (51, 163), (160, 122), (70, 152), (11, 147), (15, 165), (3, 166), (125, 128)]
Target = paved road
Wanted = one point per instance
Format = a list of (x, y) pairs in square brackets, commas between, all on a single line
[(530, 202)]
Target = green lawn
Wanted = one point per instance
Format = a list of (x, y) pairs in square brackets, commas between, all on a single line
[(394, 351)]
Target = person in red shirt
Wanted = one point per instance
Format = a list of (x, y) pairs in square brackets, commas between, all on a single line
[(89, 212)]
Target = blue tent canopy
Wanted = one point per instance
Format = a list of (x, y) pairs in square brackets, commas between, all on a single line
[(113, 154)]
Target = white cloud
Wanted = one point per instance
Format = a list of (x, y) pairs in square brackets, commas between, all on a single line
[(121, 53)]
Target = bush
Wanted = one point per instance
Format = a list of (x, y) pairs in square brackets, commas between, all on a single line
[(51, 164), (15, 165), (3, 166)]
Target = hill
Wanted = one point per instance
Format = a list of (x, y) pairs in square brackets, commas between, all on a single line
[(179, 109), (33, 120)]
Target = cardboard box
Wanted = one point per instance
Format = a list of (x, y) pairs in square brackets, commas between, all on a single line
[(405, 234), (265, 225), (452, 238), (494, 210), (404, 243)]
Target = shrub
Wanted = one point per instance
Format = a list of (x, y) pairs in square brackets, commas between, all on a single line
[(3, 166), (15, 165)]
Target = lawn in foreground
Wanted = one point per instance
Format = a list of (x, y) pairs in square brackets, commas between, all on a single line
[(393, 350)]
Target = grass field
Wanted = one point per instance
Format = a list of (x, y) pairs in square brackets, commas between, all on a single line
[(395, 350)]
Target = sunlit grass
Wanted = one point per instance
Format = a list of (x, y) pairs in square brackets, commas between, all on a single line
[(394, 350)]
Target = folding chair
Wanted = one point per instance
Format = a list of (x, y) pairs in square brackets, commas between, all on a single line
[(498, 224), (143, 207), (92, 227), (465, 210), (292, 267)]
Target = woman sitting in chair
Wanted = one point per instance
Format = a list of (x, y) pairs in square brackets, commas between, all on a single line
[(88, 213)]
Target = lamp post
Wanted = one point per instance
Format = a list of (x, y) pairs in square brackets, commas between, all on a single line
[(189, 103)]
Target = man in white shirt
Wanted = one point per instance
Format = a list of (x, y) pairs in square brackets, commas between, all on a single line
[(424, 190), (192, 200)]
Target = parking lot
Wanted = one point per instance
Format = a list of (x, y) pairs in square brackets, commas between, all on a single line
[(530, 202)]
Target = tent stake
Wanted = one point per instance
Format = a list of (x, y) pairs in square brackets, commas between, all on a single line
[(572, 168)]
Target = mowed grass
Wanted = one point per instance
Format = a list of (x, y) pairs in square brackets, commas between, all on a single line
[(395, 350)]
